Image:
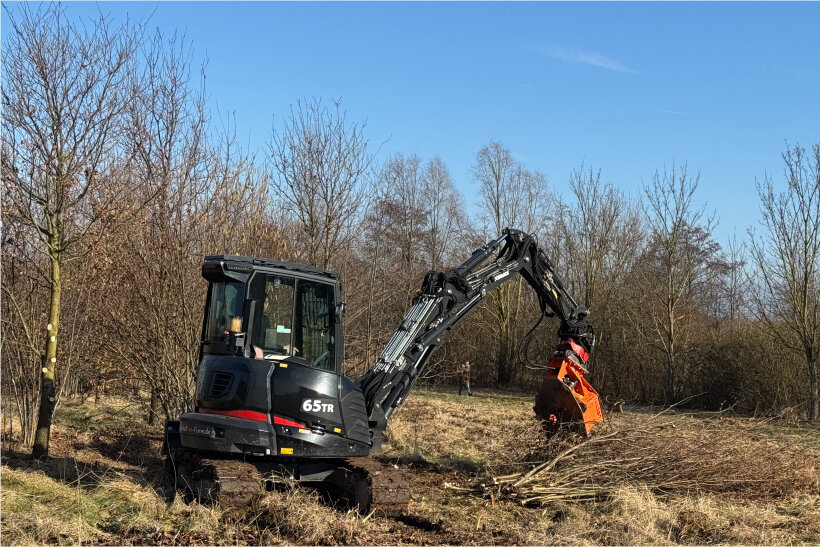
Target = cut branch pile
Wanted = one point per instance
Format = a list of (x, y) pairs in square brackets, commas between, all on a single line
[(668, 455)]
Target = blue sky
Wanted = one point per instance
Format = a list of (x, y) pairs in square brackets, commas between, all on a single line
[(625, 87)]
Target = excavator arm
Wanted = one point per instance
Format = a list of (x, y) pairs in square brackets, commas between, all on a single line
[(447, 297)]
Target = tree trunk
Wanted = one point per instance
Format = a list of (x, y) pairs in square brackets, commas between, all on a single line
[(670, 380), (502, 356), (47, 388), (669, 396), (502, 366), (814, 400), (152, 413)]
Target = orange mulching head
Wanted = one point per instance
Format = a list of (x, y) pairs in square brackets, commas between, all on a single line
[(566, 399)]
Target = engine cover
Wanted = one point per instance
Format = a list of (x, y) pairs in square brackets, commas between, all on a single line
[(275, 408)]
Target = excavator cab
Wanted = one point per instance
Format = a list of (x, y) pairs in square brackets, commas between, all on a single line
[(271, 310), (269, 381)]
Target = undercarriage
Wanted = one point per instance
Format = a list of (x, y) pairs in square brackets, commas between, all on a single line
[(362, 483)]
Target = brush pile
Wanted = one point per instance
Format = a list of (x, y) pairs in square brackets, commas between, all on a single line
[(667, 455)]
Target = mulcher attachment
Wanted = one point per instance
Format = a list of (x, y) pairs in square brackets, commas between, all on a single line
[(566, 399)]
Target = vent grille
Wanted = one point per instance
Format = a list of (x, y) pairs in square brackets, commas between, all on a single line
[(220, 384)]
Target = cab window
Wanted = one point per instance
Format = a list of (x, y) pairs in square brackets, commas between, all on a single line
[(295, 318), (224, 307), (315, 322), (273, 332)]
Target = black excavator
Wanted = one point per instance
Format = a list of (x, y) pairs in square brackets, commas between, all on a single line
[(272, 404)]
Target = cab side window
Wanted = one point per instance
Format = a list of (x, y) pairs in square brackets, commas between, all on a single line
[(315, 324), (273, 331)]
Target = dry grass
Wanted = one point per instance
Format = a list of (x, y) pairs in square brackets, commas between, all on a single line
[(488, 431), (38, 510), (635, 516), (297, 515), (680, 455), (642, 479), (665, 480)]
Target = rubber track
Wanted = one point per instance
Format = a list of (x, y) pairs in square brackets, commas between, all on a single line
[(235, 483), (388, 487), (364, 483), (231, 483)]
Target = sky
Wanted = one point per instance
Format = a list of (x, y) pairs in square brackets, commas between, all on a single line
[(627, 88)]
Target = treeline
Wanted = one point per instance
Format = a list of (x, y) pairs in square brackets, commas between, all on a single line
[(116, 182)]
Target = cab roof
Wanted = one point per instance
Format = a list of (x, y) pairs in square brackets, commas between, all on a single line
[(254, 263)]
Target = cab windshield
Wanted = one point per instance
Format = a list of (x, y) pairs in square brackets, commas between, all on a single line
[(297, 319)]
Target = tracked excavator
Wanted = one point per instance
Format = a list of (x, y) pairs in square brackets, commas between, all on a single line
[(272, 404)]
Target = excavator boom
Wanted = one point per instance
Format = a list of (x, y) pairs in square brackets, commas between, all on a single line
[(447, 297)]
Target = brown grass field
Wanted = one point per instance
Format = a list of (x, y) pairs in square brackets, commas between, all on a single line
[(481, 473)]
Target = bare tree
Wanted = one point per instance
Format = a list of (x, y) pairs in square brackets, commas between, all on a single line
[(600, 238), (599, 234), (368, 293), (443, 205), (734, 283), (318, 162), (65, 89), (680, 254), (787, 261), (402, 204), (512, 196), (156, 286), (409, 227), (23, 299), (493, 170), (211, 200)]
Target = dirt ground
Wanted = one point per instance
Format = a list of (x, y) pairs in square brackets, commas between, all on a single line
[(643, 478)]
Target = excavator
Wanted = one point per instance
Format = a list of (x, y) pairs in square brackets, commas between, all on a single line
[(272, 404)]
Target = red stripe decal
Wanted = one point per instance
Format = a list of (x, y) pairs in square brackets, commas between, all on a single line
[(283, 421), (247, 414)]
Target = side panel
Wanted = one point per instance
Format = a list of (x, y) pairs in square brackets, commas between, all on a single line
[(310, 417), (228, 383), (215, 433), (305, 394), (354, 411)]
